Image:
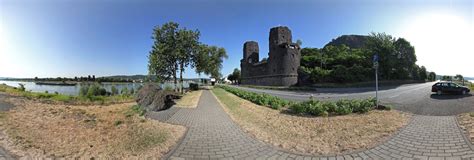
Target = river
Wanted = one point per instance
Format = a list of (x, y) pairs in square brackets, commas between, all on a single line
[(74, 90)]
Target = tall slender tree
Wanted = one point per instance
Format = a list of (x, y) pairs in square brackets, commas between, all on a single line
[(187, 45)]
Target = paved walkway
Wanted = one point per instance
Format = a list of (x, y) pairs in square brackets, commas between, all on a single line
[(213, 135)]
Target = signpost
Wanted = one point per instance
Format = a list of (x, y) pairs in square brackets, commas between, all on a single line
[(376, 66)]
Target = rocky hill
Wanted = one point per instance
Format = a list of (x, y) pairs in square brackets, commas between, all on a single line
[(352, 41)]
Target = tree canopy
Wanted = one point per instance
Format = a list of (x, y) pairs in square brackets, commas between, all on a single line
[(176, 48), (342, 64)]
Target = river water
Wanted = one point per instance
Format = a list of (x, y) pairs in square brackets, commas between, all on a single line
[(74, 90)]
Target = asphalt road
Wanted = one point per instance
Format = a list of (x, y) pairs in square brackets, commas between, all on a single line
[(414, 98)]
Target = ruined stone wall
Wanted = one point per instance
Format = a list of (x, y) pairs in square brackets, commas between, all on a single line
[(283, 61)]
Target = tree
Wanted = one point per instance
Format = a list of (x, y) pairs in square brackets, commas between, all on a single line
[(432, 76), (217, 56), (422, 73), (162, 59), (234, 77), (209, 60), (406, 58), (187, 45), (459, 77)]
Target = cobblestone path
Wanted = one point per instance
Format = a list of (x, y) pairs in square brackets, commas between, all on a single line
[(213, 135)]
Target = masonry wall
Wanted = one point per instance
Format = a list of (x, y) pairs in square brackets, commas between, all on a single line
[(280, 69)]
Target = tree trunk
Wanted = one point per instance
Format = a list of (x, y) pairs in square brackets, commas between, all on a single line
[(175, 78), (181, 77)]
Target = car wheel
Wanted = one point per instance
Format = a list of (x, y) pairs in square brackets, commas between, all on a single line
[(438, 92), (464, 92)]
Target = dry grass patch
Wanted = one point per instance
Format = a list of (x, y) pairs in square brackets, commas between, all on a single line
[(466, 122), (35, 129), (312, 135), (189, 100)]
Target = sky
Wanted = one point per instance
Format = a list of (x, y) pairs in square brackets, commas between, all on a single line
[(65, 38)]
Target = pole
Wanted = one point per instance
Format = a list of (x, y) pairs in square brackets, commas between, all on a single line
[(376, 87)]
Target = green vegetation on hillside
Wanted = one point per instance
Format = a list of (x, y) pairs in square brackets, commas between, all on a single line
[(342, 64)]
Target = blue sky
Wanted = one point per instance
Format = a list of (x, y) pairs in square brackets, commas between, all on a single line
[(55, 38)]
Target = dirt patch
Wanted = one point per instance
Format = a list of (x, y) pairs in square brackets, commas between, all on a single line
[(312, 135), (189, 100), (33, 129), (466, 122)]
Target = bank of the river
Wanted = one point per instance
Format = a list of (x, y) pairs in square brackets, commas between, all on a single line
[(37, 130), (73, 90), (66, 99)]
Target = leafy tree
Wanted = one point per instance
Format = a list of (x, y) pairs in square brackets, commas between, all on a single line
[(162, 59), (459, 77), (187, 45), (234, 76), (209, 60), (382, 44), (423, 74), (432, 76)]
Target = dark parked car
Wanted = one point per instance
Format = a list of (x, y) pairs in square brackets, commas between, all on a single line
[(449, 87)]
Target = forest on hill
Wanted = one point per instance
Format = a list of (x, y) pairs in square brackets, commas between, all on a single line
[(349, 58)]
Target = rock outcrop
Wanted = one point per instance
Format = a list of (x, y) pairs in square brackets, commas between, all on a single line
[(352, 41), (152, 98)]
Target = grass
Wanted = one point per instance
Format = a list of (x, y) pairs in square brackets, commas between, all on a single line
[(189, 99), (61, 98), (117, 131), (309, 134)]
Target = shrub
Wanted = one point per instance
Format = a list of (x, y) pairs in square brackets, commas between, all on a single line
[(298, 108), (194, 86), (22, 87), (168, 87), (124, 91), (83, 90), (258, 98), (114, 90)]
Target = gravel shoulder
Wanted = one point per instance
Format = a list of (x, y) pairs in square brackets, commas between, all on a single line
[(312, 135)]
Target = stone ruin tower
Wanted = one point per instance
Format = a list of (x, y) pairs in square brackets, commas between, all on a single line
[(281, 67)]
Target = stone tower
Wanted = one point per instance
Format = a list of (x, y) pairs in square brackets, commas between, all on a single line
[(281, 68)]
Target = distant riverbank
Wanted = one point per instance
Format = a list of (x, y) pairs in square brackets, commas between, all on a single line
[(73, 90)]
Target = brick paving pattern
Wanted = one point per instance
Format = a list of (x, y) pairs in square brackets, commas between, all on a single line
[(213, 135)]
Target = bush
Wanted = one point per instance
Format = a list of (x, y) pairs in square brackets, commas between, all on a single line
[(22, 87), (124, 91), (194, 86), (258, 98), (168, 87), (114, 90), (83, 90), (341, 107)]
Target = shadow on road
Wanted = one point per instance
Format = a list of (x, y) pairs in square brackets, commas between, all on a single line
[(449, 96)]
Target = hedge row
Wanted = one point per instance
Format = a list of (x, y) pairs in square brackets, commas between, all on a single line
[(341, 107), (257, 98), (312, 107)]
